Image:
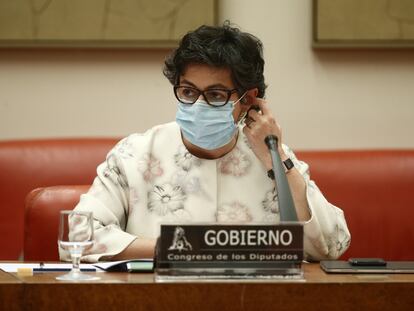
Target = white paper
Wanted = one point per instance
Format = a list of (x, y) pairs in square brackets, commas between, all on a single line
[(107, 264), (12, 267)]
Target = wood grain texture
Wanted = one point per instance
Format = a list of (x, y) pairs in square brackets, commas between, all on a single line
[(11, 292), (123, 291)]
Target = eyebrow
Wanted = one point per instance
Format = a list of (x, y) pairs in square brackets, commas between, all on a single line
[(213, 86)]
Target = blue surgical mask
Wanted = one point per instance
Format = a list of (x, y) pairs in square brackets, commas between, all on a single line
[(205, 126)]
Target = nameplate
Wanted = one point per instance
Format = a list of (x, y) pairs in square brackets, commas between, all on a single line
[(221, 246)]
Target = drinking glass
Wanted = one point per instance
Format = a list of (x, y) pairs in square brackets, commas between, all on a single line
[(75, 236)]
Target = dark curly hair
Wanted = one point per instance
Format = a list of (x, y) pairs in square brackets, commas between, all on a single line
[(223, 46)]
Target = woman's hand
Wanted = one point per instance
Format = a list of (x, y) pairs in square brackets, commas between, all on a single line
[(258, 126)]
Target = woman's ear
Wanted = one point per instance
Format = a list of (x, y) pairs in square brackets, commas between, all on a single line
[(250, 96), (244, 100)]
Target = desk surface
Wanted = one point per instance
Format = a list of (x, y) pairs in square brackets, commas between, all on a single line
[(123, 291)]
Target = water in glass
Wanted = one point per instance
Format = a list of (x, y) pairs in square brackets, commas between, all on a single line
[(76, 236)]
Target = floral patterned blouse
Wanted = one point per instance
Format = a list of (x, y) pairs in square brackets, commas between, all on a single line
[(151, 178)]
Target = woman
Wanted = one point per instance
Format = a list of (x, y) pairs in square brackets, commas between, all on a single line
[(211, 164)]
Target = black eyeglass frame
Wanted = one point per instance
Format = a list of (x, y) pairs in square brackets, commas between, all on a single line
[(229, 93)]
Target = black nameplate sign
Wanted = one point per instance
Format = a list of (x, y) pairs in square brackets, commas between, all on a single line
[(229, 246)]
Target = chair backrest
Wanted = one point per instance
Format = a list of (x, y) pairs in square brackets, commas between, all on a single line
[(29, 164), (42, 219), (375, 191)]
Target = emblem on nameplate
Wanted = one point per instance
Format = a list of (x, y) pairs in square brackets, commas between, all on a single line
[(180, 242)]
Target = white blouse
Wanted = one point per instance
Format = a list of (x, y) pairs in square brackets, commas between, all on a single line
[(149, 179)]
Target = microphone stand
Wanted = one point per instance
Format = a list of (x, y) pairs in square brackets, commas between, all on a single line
[(286, 205)]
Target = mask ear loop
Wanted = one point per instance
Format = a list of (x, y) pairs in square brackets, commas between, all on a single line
[(242, 118), (243, 115)]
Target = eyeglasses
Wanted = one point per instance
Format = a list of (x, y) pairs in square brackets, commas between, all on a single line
[(214, 97)]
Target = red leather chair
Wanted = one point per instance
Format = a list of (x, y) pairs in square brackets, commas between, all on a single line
[(42, 220), (373, 188), (29, 164)]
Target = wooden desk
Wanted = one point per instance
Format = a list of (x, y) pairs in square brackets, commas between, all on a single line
[(123, 291), (11, 292)]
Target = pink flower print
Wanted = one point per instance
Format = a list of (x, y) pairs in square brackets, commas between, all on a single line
[(75, 220), (79, 229), (189, 184), (150, 167), (236, 163), (133, 200), (185, 160), (133, 196), (125, 149), (233, 213)]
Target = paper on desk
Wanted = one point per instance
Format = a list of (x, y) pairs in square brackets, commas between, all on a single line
[(12, 267), (119, 265), (103, 266)]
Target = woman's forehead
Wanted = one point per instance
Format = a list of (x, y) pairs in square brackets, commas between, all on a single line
[(204, 76)]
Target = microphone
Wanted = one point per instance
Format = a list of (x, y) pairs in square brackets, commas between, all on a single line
[(286, 205)]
